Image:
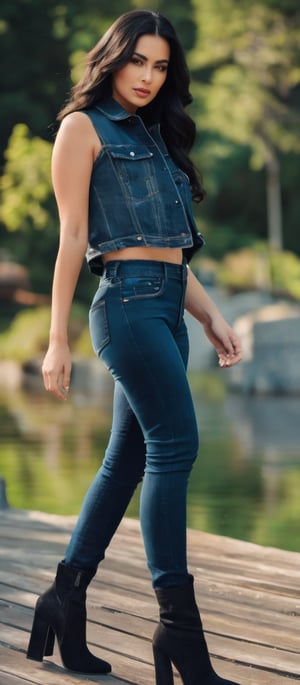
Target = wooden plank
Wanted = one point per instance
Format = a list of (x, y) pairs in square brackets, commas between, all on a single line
[(8, 679), (106, 604), (256, 649), (23, 671), (249, 598)]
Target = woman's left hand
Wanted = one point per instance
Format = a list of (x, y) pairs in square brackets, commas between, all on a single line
[(225, 340)]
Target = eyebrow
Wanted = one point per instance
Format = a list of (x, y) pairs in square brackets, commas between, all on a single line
[(158, 61)]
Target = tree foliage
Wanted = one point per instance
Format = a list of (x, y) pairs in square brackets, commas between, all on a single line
[(37, 43), (245, 64), (25, 183), (252, 61)]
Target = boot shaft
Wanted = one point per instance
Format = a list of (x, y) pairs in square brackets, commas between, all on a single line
[(71, 583), (178, 608), (179, 640)]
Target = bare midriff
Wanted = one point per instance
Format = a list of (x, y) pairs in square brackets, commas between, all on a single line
[(158, 254)]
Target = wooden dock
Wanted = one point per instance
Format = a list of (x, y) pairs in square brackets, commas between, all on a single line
[(249, 598)]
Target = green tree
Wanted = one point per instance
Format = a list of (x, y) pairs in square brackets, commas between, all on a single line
[(40, 44), (33, 47), (27, 208), (26, 184), (38, 40), (246, 67)]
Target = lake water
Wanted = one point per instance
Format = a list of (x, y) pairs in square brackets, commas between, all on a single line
[(245, 484)]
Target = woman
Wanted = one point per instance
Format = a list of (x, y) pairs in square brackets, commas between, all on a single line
[(123, 183)]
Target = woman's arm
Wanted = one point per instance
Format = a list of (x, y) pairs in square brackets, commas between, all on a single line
[(73, 155), (221, 335)]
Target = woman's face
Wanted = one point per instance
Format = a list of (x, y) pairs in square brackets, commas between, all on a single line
[(138, 82)]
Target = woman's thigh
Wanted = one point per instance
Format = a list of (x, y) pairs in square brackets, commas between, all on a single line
[(143, 342), (124, 459)]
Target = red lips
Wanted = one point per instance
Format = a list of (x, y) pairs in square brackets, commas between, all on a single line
[(142, 91)]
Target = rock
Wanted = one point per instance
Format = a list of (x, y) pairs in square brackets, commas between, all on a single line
[(202, 353), (91, 378), (271, 345)]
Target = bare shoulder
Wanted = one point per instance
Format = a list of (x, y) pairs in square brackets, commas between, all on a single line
[(77, 128), (76, 123)]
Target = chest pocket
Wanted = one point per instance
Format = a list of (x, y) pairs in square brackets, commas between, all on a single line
[(135, 170)]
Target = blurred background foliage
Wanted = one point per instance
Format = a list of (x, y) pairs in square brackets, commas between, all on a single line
[(245, 79), (244, 58)]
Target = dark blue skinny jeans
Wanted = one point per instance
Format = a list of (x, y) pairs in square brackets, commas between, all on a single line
[(138, 331)]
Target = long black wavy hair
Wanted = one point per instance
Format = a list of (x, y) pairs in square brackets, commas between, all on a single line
[(113, 51)]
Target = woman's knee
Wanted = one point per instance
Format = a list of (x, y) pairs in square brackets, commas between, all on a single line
[(174, 453)]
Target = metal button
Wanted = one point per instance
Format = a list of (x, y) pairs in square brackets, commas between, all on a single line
[(139, 237), (132, 154)]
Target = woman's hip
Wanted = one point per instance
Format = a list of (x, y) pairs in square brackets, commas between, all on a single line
[(136, 296)]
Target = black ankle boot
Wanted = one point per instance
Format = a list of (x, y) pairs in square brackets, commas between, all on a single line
[(179, 640), (61, 611)]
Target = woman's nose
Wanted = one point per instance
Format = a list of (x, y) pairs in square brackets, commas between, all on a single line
[(147, 75)]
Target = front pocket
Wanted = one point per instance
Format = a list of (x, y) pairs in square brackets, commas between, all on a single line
[(135, 171), (141, 287), (130, 153)]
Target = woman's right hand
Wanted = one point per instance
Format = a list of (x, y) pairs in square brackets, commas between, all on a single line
[(56, 370)]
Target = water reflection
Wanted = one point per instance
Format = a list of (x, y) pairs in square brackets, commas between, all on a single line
[(245, 483)]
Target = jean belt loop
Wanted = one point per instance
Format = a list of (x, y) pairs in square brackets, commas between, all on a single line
[(115, 268)]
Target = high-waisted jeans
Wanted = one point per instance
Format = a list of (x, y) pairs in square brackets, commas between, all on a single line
[(138, 331)]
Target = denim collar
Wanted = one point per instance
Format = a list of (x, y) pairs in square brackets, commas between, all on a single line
[(112, 110), (115, 112)]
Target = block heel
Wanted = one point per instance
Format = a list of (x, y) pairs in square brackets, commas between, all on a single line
[(41, 640), (163, 668), (50, 642)]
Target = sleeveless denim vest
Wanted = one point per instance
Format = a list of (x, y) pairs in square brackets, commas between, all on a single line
[(138, 196)]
